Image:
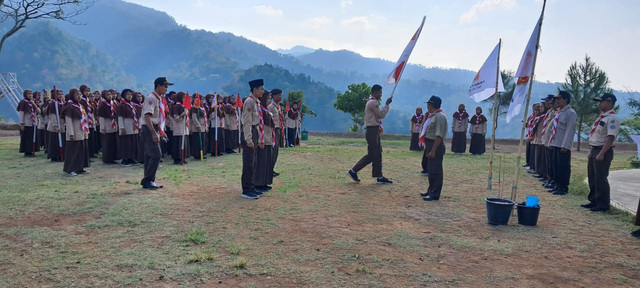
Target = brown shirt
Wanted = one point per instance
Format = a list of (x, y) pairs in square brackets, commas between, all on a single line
[(373, 114), (250, 117)]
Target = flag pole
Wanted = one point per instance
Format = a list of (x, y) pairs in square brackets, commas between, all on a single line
[(494, 122), (514, 187)]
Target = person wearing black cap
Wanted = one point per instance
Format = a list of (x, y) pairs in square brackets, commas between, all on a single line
[(151, 132), (545, 135), (250, 121), (274, 108), (373, 116), (432, 138), (561, 141), (601, 137)]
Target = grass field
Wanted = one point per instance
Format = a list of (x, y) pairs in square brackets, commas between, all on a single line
[(315, 229)]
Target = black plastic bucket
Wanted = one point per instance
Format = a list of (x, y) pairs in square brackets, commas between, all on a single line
[(528, 215), (499, 210)]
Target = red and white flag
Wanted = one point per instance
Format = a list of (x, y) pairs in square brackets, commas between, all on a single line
[(394, 77), (523, 76)]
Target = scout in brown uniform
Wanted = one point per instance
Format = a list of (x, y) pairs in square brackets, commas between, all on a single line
[(137, 101), (76, 154), (55, 128), (41, 117), (546, 136), (128, 127), (433, 133), (263, 175), (274, 109), (220, 125), (478, 130), (179, 115), (601, 138), (373, 116), (292, 124), (540, 163), (415, 128), (87, 104), (108, 128), (198, 128), (250, 122), (27, 109), (151, 133), (459, 129)]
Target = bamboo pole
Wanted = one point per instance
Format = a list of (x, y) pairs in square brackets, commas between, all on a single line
[(514, 187), (494, 122)]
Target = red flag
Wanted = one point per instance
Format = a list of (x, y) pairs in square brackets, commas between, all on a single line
[(286, 110), (187, 101), (238, 101), (196, 100), (394, 77)]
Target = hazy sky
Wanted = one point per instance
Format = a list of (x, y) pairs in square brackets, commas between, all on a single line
[(457, 34)]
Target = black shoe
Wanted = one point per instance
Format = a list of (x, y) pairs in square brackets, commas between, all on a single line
[(383, 180), (276, 174), (552, 189), (83, 171), (599, 209), (249, 195), (636, 233), (588, 206), (549, 186), (424, 172), (125, 163), (425, 194), (429, 198), (260, 189), (151, 185), (559, 192), (353, 175), (267, 187), (257, 192), (29, 155)]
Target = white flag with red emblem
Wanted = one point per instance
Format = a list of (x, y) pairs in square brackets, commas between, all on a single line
[(394, 77), (523, 76), (484, 84)]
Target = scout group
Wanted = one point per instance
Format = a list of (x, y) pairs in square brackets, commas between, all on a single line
[(131, 128), (550, 131)]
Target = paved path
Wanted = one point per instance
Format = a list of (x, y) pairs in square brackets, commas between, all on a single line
[(625, 189)]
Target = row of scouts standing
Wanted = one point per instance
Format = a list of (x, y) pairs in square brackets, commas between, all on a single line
[(75, 127), (550, 131), (460, 126)]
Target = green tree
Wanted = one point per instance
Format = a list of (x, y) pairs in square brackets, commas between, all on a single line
[(298, 95), (585, 81), (21, 11), (353, 101), (631, 126)]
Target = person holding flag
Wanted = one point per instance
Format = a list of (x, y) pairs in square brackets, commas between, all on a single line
[(154, 117), (373, 116), (180, 115), (197, 128), (55, 128), (434, 131)]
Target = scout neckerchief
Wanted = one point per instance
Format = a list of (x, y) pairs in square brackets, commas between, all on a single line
[(83, 118), (426, 124), (33, 114), (460, 117), (203, 111), (281, 118), (602, 116), (261, 123), (113, 112), (373, 98), (90, 119), (544, 123), (555, 123), (162, 113), (135, 115), (418, 120), (477, 121)]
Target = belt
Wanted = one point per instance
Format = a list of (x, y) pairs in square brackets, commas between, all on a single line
[(596, 147)]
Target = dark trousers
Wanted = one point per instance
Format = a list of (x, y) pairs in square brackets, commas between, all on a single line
[(152, 155), (276, 149), (563, 168), (249, 161), (598, 171), (291, 137), (374, 152), (637, 222), (540, 160), (27, 145), (528, 154), (551, 164), (434, 166)]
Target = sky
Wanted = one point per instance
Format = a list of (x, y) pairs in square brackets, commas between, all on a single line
[(457, 33)]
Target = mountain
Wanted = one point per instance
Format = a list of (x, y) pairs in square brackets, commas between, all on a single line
[(43, 56), (296, 51)]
